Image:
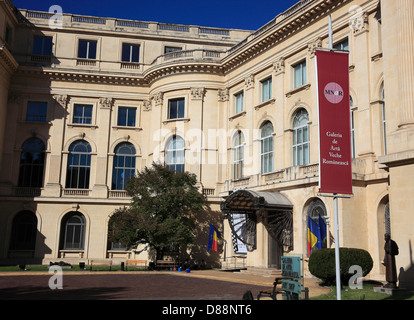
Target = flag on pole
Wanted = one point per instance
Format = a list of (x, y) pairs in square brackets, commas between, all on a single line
[(313, 236), (322, 229), (214, 235)]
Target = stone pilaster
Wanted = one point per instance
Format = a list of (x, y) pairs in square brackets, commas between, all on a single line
[(405, 16)]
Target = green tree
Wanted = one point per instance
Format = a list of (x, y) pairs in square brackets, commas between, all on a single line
[(162, 212)]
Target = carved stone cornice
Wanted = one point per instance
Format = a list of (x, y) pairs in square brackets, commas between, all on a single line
[(282, 27), (7, 59)]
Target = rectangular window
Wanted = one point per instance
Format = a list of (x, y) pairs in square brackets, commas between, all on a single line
[(343, 45), (171, 49), (239, 101), (266, 89), (130, 52), (87, 49), (82, 114), (42, 46), (36, 111), (8, 35), (238, 162), (299, 74), (176, 108), (127, 116)]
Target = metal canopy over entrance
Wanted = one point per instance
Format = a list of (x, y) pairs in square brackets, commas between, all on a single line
[(243, 207)]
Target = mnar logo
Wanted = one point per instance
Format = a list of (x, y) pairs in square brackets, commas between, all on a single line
[(333, 93)]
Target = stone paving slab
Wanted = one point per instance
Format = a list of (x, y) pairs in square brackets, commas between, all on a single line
[(118, 285)]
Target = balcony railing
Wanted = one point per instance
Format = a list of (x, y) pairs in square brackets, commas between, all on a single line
[(197, 54), (76, 192), (26, 192)]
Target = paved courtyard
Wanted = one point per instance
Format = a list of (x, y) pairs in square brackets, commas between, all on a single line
[(207, 285)]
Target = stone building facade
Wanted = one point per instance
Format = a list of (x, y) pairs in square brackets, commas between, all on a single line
[(85, 101)]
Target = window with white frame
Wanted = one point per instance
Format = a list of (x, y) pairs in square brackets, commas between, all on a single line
[(175, 154), (238, 155), (343, 45), (124, 165), (239, 102), (266, 154), (82, 113), (79, 165), (36, 111), (73, 228), (87, 49), (299, 74), (266, 89), (127, 116), (130, 52), (176, 108), (301, 138)]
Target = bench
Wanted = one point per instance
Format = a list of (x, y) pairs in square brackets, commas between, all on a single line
[(283, 291), (135, 263), (166, 264), (100, 263), (273, 293)]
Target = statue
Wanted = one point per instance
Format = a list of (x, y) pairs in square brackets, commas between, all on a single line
[(391, 250)]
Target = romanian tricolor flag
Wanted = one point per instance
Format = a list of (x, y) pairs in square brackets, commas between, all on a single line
[(314, 238), (214, 235)]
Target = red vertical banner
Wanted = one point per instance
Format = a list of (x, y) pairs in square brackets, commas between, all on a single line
[(335, 167)]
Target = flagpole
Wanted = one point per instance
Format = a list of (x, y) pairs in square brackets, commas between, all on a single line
[(330, 33), (335, 203), (337, 260)]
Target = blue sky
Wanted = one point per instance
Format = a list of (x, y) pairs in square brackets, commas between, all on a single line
[(249, 15)]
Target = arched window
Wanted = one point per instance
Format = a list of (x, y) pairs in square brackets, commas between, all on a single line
[(32, 161), (24, 231), (79, 165), (317, 212), (266, 154), (124, 165), (238, 156), (175, 154), (73, 228), (301, 138)]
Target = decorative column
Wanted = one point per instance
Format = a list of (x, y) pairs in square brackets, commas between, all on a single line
[(280, 139), (223, 97), (196, 155), (250, 160), (100, 188), (53, 175), (405, 16)]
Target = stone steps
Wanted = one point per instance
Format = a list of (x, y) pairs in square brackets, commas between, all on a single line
[(266, 272)]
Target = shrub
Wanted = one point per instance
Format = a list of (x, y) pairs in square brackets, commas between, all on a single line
[(322, 264)]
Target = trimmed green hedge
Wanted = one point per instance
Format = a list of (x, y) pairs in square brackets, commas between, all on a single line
[(322, 264)]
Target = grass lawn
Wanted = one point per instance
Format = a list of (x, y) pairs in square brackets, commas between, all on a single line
[(366, 293)]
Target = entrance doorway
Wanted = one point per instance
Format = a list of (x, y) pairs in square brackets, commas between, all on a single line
[(275, 253)]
